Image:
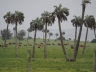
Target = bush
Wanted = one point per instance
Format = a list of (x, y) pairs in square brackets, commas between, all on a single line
[(62, 38), (93, 41)]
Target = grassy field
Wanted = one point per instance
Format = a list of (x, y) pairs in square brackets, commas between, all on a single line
[(54, 63)]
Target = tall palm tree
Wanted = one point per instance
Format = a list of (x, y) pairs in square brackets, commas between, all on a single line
[(89, 22), (84, 2), (29, 30), (7, 18), (61, 14), (50, 34), (47, 20), (76, 23), (35, 25), (17, 18)]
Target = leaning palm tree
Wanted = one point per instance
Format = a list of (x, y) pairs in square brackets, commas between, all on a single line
[(84, 2), (76, 23), (47, 20), (61, 14), (56, 35), (29, 30), (89, 22), (17, 17), (7, 18), (50, 34), (35, 25)]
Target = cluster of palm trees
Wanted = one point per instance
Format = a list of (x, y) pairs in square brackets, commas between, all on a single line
[(47, 19), (13, 18)]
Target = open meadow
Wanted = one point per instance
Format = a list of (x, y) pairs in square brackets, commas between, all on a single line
[(54, 63)]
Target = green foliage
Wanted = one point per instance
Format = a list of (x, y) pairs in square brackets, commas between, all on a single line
[(4, 32), (21, 34), (60, 12), (62, 38), (93, 41), (36, 24)]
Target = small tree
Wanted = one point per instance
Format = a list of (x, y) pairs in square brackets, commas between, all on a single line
[(50, 34)]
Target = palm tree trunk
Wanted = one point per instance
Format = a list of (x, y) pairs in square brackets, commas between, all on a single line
[(85, 41), (16, 49), (63, 48), (29, 59), (33, 50), (79, 36), (75, 36), (94, 60), (45, 45), (6, 35), (14, 35)]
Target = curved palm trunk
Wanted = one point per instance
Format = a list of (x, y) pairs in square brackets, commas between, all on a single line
[(85, 41), (79, 36), (6, 35), (45, 45), (63, 48), (16, 49), (33, 49), (75, 36)]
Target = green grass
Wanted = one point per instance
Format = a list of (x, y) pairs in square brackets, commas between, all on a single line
[(54, 63)]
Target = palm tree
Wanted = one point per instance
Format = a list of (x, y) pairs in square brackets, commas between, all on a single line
[(29, 30), (45, 30), (7, 18), (56, 35), (47, 20), (36, 25), (17, 17), (76, 23), (84, 2), (89, 22), (50, 34), (61, 14)]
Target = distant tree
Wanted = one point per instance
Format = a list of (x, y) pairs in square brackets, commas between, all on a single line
[(20, 35), (63, 33), (29, 30), (7, 18), (76, 21), (89, 22), (17, 18), (3, 34), (50, 34), (35, 25), (56, 35)]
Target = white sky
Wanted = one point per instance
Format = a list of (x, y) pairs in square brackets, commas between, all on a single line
[(34, 8)]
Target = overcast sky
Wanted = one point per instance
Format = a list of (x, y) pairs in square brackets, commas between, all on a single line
[(34, 8)]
